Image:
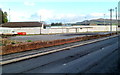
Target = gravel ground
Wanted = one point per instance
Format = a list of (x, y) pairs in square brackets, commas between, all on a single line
[(43, 37), (52, 37)]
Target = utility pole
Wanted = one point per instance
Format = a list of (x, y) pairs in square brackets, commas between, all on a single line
[(9, 14), (40, 23), (85, 21), (104, 19), (40, 18), (111, 20), (118, 15), (116, 19)]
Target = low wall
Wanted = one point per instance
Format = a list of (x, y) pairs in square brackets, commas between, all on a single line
[(78, 29), (52, 30), (39, 44)]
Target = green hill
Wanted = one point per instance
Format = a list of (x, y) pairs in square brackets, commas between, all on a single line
[(96, 22)]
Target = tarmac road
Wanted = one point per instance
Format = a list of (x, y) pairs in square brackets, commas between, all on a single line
[(73, 60)]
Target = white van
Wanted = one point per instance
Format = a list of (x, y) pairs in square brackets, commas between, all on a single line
[(7, 31)]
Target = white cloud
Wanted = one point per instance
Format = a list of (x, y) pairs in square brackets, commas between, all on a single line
[(97, 14), (63, 16), (52, 15), (19, 16), (101, 15), (29, 3), (48, 15), (1, 6)]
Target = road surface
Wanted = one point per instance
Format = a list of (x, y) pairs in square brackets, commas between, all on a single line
[(74, 60)]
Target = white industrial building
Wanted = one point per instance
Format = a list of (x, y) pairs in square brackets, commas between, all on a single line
[(77, 29), (15, 27), (38, 28)]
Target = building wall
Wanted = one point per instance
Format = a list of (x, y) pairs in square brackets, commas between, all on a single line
[(31, 30), (77, 29), (72, 29)]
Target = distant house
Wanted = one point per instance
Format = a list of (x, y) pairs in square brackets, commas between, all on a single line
[(28, 27)]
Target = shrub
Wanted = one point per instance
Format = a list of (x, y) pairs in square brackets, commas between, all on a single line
[(29, 40), (13, 43)]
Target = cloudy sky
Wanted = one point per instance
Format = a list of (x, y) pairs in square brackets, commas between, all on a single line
[(57, 10)]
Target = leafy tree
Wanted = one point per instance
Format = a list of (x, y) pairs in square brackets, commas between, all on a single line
[(52, 24), (4, 17), (60, 24), (0, 16)]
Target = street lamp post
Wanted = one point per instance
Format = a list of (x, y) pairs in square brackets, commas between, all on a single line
[(111, 20), (85, 21), (9, 14), (104, 19), (116, 19), (40, 22)]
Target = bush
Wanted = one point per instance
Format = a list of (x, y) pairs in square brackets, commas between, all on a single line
[(29, 40), (13, 43)]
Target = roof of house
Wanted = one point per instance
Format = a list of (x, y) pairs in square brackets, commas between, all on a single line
[(21, 24)]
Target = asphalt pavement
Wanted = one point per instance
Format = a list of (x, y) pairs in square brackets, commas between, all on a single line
[(73, 60)]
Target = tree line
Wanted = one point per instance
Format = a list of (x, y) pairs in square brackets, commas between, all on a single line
[(56, 24)]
